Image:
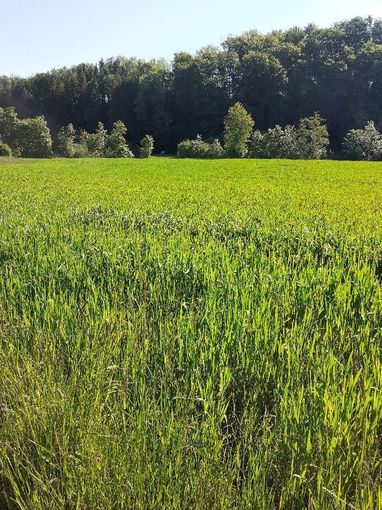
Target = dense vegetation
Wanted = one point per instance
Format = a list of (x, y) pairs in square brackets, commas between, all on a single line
[(279, 77), (29, 137), (190, 334), (5, 150), (309, 140)]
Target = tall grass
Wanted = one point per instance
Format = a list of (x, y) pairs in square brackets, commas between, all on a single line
[(190, 335)]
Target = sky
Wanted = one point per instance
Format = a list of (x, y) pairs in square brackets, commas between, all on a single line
[(38, 35)]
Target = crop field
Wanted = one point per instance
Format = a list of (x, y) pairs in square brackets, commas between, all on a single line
[(190, 334)]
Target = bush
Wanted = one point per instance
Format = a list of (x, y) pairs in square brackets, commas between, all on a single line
[(308, 141), (216, 150), (193, 148), (80, 150), (5, 150), (277, 142), (363, 144), (147, 146), (199, 149)]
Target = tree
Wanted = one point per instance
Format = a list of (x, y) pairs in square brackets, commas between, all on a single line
[(185, 95), (5, 150), (262, 83), (100, 141), (34, 138), (151, 103), (66, 139), (238, 126), (9, 128), (313, 137), (147, 146), (95, 143), (116, 146), (30, 138), (364, 144), (256, 145)]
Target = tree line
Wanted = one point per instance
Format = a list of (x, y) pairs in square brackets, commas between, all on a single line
[(279, 77), (31, 137), (308, 140)]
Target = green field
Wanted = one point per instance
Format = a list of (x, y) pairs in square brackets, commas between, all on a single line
[(190, 334)]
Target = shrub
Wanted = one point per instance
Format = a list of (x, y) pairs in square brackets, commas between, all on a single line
[(363, 144), (277, 142), (80, 150), (308, 141), (216, 150), (193, 148), (238, 125), (147, 146), (200, 149), (5, 150), (283, 143)]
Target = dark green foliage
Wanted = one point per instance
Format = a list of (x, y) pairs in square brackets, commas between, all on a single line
[(5, 150), (261, 85), (200, 149)]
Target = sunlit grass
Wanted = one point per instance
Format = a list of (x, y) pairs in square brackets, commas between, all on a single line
[(190, 334)]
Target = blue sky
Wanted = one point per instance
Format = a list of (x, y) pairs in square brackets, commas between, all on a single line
[(37, 35)]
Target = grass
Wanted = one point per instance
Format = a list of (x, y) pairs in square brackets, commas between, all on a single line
[(190, 335)]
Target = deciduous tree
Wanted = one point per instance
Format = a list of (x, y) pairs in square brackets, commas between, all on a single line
[(238, 125)]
